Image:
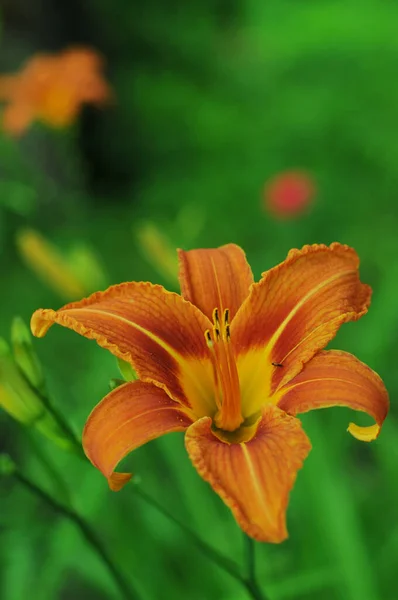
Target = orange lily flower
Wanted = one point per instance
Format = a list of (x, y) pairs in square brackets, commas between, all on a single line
[(230, 362), (52, 88)]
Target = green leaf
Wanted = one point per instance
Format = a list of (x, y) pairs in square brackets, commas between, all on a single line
[(126, 370)]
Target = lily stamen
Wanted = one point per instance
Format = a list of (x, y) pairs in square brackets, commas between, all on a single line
[(225, 372)]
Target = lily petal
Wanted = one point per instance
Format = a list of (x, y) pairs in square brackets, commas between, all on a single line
[(125, 419), (157, 332), (292, 313), (335, 378), (253, 478), (215, 278)]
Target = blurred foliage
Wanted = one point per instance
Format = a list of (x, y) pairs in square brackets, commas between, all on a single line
[(213, 99)]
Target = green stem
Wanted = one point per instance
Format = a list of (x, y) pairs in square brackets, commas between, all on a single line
[(250, 581), (222, 561), (229, 566), (126, 590), (61, 488), (250, 558)]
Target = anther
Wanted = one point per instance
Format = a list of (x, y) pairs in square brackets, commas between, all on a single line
[(275, 364), (226, 316), (209, 341), (228, 332), (216, 320)]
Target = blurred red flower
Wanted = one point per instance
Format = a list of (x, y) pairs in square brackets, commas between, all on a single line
[(288, 194), (52, 88)]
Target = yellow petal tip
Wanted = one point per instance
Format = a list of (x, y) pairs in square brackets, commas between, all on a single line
[(39, 325), (364, 434)]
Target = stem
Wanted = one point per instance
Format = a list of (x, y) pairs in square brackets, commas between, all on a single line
[(222, 561), (126, 590), (229, 566), (254, 590), (250, 581), (62, 491), (250, 558)]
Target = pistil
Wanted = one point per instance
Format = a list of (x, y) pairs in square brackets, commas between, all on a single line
[(226, 379)]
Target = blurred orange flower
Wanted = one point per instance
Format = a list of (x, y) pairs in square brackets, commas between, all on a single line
[(289, 194), (231, 362), (51, 88)]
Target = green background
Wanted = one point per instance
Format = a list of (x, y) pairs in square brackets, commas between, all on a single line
[(213, 99)]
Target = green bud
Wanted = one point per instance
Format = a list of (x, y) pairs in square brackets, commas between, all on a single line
[(24, 354), (7, 465), (22, 402), (86, 266), (49, 264), (191, 220), (4, 348), (115, 383), (16, 396), (126, 370), (158, 250)]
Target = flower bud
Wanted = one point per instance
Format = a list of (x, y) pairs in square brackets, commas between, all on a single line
[(86, 267), (7, 465), (24, 354), (115, 383), (24, 403), (46, 261)]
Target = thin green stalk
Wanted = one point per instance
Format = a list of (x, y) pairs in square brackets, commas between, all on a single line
[(59, 486), (222, 561), (229, 566), (250, 581), (250, 558), (125, 588)]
